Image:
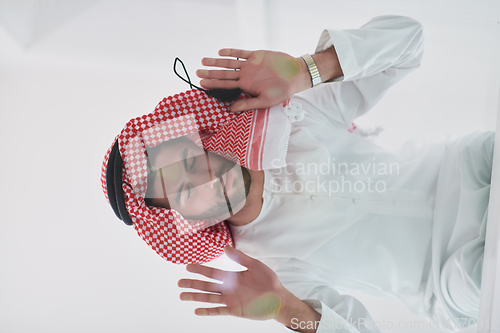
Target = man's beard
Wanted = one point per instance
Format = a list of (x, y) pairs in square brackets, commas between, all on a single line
[(223, 204)]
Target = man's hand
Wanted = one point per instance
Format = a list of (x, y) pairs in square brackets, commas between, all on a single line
[(255, 293), (270, 77)]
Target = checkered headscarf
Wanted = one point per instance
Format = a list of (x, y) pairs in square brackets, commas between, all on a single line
[(252, 139)]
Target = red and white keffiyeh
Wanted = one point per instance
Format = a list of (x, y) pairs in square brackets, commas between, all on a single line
[(252, 139)]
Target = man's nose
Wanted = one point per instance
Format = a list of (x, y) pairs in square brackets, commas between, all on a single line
[(211, 184), (202, 178)]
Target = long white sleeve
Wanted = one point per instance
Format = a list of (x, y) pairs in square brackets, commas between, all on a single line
[(372, 58), (339, 313)]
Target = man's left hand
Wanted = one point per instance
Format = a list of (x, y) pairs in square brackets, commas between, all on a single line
[(255, 293), (269, 77)]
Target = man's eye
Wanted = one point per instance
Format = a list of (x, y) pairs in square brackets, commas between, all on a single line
[(192, 163), (188, 191)]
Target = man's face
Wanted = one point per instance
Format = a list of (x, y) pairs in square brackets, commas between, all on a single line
[(196, 183)]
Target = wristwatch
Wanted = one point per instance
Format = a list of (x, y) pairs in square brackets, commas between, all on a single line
[(313, 70)]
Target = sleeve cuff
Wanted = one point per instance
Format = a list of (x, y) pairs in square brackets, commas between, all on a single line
[(344, 51), (331, 321), (315, 304)]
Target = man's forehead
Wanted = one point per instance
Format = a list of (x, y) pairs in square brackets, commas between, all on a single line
[(172, 151), (170, 145)]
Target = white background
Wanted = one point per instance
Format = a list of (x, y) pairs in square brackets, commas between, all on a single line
[(72, 73)]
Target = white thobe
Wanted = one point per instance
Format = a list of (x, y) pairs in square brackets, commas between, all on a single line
[(345, 214)]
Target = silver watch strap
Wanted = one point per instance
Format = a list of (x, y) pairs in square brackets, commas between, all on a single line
[(313, 69)]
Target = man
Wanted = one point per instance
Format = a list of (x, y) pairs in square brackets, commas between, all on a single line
[(340, 213)]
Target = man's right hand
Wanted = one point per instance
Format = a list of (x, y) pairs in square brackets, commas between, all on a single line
[(269, 77), (255, 293)]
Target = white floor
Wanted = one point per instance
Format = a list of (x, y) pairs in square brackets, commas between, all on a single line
[(72, 73)]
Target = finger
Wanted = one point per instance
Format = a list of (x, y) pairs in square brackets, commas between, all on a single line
[(213, 273), (200, 285), (219, 311), (223, 63), (248, 104), (239, 257), (201, 297), (218, 74), (219, 84), (237, 53)]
